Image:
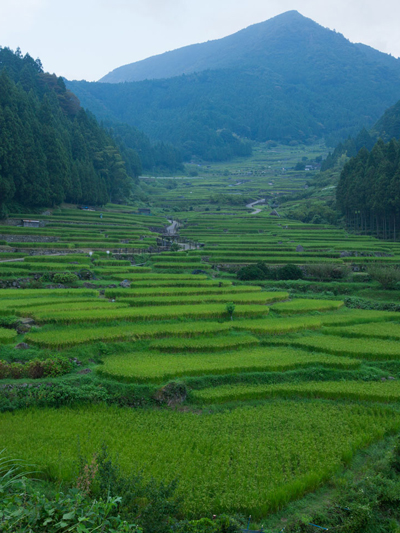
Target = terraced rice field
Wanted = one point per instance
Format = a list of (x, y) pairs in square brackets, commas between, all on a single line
[(163, 336)]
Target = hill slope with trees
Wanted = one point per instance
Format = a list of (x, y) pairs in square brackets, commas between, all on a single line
[(51, 150), (287, 79)]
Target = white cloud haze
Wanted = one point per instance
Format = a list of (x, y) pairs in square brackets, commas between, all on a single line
[(85, 39)]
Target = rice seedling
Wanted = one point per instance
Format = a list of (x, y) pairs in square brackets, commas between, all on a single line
[(213, 344), (369, 349), (239, 298), (68, 337), (146, 313), (249, 460), (375, 391), (7, 335), (154, 367), (305, 306), (380, 330)]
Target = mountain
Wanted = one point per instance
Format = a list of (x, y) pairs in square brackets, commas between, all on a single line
[(386, 128), (286, 44), (287, 79)]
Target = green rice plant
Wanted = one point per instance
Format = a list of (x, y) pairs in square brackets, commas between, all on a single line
[(249, 460), (71, 258), (14, 273), (183, 266), (240, 298), (214, 344), (357, 316), (154, 277), (38, 293), (375, 391), (146, 313), (154, 367), (7, 335), (55, 267), (110, 262), (380, 330), (177, 291), (369, 349), (65, 307), (278, 326), (305, 306), (68, 337)]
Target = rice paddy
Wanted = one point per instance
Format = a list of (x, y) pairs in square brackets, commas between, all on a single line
[(145, 312)]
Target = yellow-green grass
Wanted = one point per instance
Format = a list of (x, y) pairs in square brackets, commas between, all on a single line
[(382, 330), (249, 460), (182, 266), (65, 307), (155, 367), (278, 326), (370, 349), (375, 391), (68, 337), (214, 344), (7, 335), (305, 306), (357, 316), (146, 313), (160, 277), (239, 298), (47, 293), (177, 291)]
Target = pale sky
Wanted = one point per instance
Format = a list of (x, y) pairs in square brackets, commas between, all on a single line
[(86, 39)]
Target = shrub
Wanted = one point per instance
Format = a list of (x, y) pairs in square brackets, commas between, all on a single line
[(65, 278), (289, 271), (387, 276), (326, 271)]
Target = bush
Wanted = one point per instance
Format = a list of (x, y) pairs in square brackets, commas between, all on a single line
[(387, 276), (289, 271), (258, 271), (65, 278), (326, 271), (145, 501), (35, 369)]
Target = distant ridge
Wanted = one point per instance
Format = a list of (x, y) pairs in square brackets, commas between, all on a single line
[(287, 79), (252, 46)]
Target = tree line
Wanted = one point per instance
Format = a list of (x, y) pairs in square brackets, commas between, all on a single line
[(368, 192), (51, 150)]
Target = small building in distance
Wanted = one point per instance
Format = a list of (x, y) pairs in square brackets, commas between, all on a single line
[(144, 211), (31, 223)]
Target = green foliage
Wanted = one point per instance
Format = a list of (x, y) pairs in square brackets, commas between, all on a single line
[(66, 278), (289, 443), (35, 368), (7, 335), (230, 309), (289, 272), (336, 83), (368, 190), (158, 368), (32, 512), (387, 276), (53, 150)]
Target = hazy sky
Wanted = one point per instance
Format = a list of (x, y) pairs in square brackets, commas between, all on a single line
[(85, 39)]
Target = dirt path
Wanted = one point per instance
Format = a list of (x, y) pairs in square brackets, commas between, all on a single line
[(173, 228), (251, 206)]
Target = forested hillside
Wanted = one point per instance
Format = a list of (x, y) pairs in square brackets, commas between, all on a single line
[(287, 79), (386, 128), (368, 192), (51, 150)]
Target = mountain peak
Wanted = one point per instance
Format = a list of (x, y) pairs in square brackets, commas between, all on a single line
[(220, 53)]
